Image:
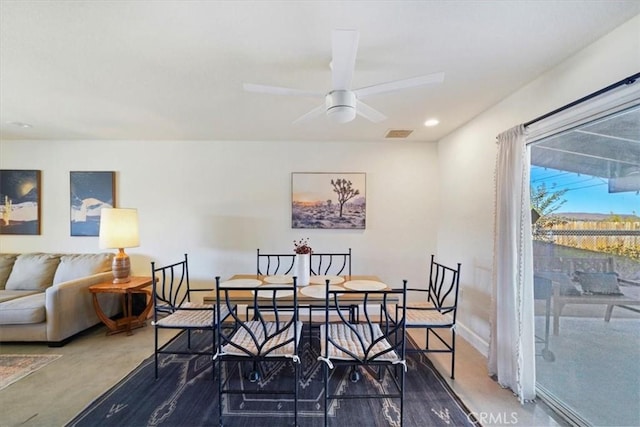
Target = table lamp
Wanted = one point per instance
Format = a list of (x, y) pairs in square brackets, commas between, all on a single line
[(119, 230)]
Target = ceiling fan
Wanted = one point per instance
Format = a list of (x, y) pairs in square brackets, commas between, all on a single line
[(342, 103)]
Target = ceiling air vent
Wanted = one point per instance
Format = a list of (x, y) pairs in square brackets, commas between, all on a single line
[(398, 133)]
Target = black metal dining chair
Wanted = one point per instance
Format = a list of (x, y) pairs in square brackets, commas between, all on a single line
[(331, 263), (174, 308), (269, 335), (268, 264), (376, 343), (434, 310)]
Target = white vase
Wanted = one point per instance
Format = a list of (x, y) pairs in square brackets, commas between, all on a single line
[(301, 269)]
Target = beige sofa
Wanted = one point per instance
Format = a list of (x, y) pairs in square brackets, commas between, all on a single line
[(44, 297)]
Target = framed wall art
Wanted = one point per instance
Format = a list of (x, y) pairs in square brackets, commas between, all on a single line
[(90, 192), (328, 200), (20, 201)]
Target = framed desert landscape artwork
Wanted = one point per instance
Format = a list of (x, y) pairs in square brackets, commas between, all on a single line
[(328, 200), (20, 201), (90, 192)]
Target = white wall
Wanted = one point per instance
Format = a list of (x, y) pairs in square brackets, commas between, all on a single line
[(467, 161), (219, 201)]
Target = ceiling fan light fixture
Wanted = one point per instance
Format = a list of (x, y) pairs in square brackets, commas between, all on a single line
[(341, 114), (341, 106), (343, 103)]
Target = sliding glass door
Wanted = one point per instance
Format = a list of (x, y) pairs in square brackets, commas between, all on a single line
[(585, 190)]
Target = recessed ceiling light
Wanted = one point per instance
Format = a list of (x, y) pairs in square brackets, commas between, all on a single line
[(20, 124), (431, 122)]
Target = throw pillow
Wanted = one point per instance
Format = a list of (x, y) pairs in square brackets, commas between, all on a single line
[(33, 272), (75, 266), (569, 290), (6, 265), (598, 283)]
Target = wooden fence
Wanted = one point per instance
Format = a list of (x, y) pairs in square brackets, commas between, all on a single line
[(620, 237)]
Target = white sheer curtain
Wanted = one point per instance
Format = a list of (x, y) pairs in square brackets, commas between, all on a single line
[(512, 343)]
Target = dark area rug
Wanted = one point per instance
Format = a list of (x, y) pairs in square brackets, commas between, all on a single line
[(186, 395)]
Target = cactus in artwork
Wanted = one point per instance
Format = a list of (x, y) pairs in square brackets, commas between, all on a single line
[(6, 214), (343, 188)]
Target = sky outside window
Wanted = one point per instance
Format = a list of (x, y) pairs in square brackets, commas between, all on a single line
[(586, 194)]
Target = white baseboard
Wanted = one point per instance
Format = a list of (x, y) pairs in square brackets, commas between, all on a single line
[(474, 339)]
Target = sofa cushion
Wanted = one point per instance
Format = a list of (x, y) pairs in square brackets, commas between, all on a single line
[(25, 310), (598, 283), (6, 265), (75, 266), (6, 295), (33, 271)]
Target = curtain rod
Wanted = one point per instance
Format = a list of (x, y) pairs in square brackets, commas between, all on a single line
[(626, 81)]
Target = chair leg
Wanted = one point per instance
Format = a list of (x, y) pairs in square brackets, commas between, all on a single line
[(453, 352), (213, 352), (607, 314), (155, 353), (295, 398), (310, 326), (326, 394), (401, 396), (218, 364), (557, 311)]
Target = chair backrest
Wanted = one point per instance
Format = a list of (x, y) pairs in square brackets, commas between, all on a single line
[(171, 286), (443, 287), (263, 335), (374, 338), (338, 263), (271, 264)]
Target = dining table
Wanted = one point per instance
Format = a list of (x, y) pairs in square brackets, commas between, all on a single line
[(312, 296)]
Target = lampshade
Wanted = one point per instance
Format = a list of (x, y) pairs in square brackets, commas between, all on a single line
[(119, 228)]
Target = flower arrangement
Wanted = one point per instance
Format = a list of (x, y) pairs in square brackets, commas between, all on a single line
[(302, 246)]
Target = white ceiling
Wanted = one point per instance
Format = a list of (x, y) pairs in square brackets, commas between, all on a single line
[(173, 70)]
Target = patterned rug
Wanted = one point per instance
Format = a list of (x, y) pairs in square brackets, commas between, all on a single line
[(16, 366), (186, 395)]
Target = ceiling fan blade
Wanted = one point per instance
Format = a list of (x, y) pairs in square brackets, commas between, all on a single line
[(277, 90), (311, 114), (399, 84), (369, 113), (344, 47)]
